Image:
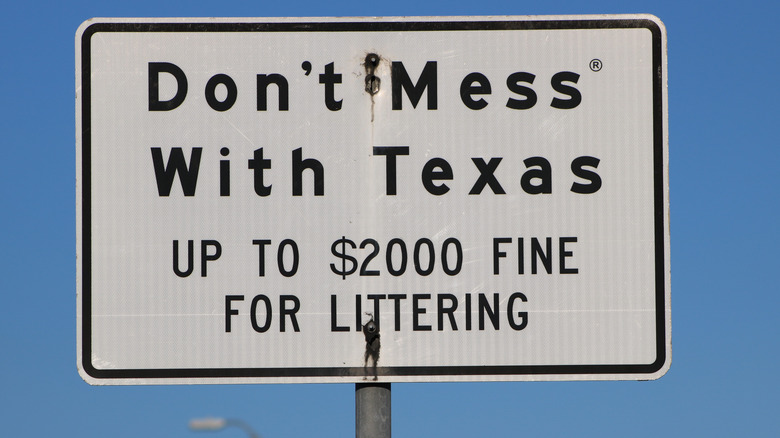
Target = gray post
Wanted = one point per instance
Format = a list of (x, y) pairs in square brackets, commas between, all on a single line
[(372, 410)]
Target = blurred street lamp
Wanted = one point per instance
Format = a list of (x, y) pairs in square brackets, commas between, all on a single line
[(213, 424)]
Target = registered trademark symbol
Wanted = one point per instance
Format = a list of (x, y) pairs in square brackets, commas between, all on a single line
[(596, 65)]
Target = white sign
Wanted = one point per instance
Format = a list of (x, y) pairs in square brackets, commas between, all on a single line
[(399, 199)]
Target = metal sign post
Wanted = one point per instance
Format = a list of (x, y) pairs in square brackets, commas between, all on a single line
[(372, 410)]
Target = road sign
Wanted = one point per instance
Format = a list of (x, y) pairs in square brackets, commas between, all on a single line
[(399, 199)]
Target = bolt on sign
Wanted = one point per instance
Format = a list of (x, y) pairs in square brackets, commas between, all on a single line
[(390, 199)]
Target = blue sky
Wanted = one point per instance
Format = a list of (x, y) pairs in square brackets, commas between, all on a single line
[(724, 160)]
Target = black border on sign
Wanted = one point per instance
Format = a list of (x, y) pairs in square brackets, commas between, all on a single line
[(368, 26)]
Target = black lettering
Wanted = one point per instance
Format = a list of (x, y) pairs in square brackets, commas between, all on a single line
[(431, 257), (224, 173), (364, 271), (445, 259), (448, 310), (330, 79), (430, 174), (358, 313), (229, 310), (390, 169), (594, 178), (513, 83), (510, 312), (537, 253), (261, 244), (397, 308), (544, 175), (498, 254), (165, 173), (190, 258), (468, 311), (334, 327), (486, 176), (376, 299), (259, 164), (492, 312), (155, 68), (563, 254), (520, 257), (299, 165), (389, 257), (205, 257), (468, 89), (280, 257), (283, 300), (574, 94), (268, 314), (417, 311), (211, 88), (263, 81), (401, 80)]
